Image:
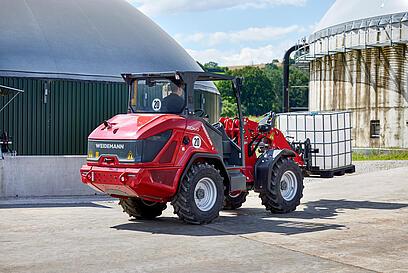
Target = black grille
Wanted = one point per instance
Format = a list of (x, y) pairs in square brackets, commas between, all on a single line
[(124, 150)]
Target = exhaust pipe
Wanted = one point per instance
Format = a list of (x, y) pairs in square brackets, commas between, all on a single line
[(286, 65)]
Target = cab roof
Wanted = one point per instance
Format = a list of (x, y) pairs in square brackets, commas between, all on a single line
[(178, 75)]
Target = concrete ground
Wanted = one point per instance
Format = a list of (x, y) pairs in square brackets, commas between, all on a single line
[(353, 223)]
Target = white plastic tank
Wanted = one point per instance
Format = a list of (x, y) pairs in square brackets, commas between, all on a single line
[(329, 133)]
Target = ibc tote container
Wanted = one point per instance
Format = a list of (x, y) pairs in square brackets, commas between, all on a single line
[(329, 133)]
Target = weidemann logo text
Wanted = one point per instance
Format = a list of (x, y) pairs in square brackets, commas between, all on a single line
[(110, 146)]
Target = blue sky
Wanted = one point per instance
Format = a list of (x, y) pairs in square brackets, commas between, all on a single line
[(236, 32)]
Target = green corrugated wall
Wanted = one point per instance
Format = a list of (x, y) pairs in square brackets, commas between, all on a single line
[(59, 123)]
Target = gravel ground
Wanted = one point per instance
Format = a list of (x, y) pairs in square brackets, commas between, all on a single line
[(372, 166), (369, 166)]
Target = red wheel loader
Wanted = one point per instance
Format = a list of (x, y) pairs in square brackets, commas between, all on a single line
[(167, 151)]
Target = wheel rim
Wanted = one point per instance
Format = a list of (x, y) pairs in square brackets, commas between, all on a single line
[(288, 185), (205, 194)]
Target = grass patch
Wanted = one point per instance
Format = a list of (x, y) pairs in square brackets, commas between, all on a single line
[(392, 155)]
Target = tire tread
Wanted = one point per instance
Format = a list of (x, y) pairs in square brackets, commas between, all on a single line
[(182, 202), (135, 207), (271, 198)]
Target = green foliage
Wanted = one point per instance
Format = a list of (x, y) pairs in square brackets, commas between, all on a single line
[(377, 155), (275, 74), (229, 108), (298, 81), (262, 88), (229, 105), (258, 95), (214, 67)]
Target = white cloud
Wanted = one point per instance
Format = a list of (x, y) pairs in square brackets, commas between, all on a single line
[(253, 34), (155, 7), (244, 56)]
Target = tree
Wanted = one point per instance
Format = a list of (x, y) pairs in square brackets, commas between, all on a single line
[(213, 67), (298, 92), (262, 89), (298, 82), (275, 74), (229, 108), (257, 91)]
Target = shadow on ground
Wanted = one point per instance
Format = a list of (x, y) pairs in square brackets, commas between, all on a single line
[(329, 209), (252, 220)]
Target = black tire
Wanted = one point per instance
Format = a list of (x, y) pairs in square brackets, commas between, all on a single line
[(272, 198), (184, 203), (235, 202), (141, 209)]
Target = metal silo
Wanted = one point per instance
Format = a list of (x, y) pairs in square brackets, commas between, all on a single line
[(68, 56), (359, 62)]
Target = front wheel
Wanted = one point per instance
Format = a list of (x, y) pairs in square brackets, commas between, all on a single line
[(200, 196), (285, 189), (142, 209)]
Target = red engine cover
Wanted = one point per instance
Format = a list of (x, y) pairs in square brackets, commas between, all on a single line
[(156, 180)]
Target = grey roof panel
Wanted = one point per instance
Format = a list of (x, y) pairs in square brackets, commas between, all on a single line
[(343, 11), (84, 39), (361, 14)]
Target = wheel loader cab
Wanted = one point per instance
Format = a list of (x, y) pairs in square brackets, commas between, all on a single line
[(157, 96)]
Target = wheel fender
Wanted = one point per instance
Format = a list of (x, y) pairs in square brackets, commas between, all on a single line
[(214, 159), (264, 165)]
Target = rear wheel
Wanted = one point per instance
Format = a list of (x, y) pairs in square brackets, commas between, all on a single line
[(142, 209), (285, 189), (232, 202), (200, 196)]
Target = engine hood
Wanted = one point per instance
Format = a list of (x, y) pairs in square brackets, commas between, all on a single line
[(137, 126)]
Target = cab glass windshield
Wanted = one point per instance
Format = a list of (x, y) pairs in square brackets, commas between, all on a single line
[(158, 96)]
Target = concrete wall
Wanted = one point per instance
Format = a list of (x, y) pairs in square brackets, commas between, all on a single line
[(34, 176), (373, 84)]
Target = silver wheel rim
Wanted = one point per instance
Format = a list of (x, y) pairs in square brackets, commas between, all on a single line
[(288, 185), (205, 194)]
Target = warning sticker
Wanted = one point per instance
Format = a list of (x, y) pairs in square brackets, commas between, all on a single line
[(196, 142), (156, 105)]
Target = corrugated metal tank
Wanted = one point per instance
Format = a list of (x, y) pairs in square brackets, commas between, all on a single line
[(372, 83), (69, 62), (362, 66)]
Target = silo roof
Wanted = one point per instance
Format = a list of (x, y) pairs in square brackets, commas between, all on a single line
[(84, 39), (345, 15)]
